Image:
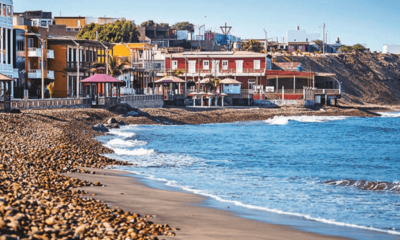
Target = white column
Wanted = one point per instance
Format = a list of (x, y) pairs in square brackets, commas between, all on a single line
[(12, 90), (7, 52), (2, 46), (12, 45), (294, 84)]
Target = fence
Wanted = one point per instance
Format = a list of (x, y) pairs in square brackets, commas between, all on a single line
[(50, 103)]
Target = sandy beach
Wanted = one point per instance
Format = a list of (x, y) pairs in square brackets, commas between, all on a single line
[(42, 156)]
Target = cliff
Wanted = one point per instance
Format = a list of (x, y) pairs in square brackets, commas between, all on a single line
[(367, 78)]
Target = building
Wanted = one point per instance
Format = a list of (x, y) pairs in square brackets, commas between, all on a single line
[(73, 24), (246, 67), (145, 60), (392, 48), (33, 18), (6, 42), (30, 53), (65, 63), (157, 35)]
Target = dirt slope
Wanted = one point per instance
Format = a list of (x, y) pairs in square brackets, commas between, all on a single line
[(367, 78)]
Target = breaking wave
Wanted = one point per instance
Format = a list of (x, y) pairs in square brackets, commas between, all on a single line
[(122, 133), (280, 120), (389, 114), (134, 152), (116, 142), (366, 185)]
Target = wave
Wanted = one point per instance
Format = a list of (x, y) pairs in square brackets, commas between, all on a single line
[(125, 143), (240, 204), (366, 185), (134, 152), (389, 114), (281, 120), (122, 133)]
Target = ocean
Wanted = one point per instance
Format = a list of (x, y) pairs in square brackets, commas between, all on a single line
[(330, 175)]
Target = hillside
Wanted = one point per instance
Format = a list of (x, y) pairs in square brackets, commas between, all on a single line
[(367, 78)]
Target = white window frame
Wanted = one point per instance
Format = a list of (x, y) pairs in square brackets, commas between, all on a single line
[(174, 64), (257, 64), (252, 83), (225, 64), (206, 66)]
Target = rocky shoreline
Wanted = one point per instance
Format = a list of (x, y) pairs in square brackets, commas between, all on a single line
[(40, 148)]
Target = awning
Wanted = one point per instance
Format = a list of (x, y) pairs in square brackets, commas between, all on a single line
[(230, 81), (170, 79), (100, 78)]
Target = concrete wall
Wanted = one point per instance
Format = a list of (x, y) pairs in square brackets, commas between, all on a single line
[(145, 101), (391, 48), (279, 103), (51, 103)]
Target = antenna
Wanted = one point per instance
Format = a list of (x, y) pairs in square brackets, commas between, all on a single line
[(226, 29)]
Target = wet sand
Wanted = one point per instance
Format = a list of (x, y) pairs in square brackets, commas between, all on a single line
[(181, 210)]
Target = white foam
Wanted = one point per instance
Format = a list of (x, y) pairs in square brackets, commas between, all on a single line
[(389, 114), (237, 203), (122, 132), (280, 120), (134, 152), (125, 143)]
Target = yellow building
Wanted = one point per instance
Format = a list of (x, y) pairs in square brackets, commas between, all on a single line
[(73, 24)]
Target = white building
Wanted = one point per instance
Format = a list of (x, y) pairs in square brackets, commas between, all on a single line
[(300, 36), (6, 42), (391, 48)]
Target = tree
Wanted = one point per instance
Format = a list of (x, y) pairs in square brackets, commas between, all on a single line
[(116, 67), (319, 43), (184, 26), (151, 23), (120, 31), (358, 47), (253, 45)]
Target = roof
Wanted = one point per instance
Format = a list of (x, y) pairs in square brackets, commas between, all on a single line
[(320, 74), (80, 17), (230, 81), (170, 79), (100, 78), (218, 54), (4, 78), (136, 45), (83, 42)]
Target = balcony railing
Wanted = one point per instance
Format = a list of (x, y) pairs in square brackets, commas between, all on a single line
[(229, 71), (34, 52), (50, 54), (50, 74), (75, 65), (35, 73)]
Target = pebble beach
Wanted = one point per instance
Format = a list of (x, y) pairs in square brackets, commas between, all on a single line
[(50, 181)]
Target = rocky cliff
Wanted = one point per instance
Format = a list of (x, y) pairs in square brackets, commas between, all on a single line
[(367, 78)]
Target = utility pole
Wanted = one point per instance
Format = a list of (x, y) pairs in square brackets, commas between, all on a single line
[(42, 67), (266, 41), (323, 38)]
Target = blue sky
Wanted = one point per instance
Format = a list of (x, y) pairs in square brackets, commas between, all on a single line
[(370, 22)]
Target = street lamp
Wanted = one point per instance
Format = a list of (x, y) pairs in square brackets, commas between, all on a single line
[(200, 34)]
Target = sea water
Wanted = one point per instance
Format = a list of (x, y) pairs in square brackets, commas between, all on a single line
[(337, 171)]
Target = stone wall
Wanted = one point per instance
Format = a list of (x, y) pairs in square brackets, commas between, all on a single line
[(51, 103), (279, 103)]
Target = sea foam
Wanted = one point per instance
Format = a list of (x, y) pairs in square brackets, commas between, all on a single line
[(134, 152), (389, 114), (281, 120)]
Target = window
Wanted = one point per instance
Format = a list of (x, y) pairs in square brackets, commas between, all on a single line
[(225, 64), (206, 64), (252, 82), (4, 10), (192, 66), (174, 64), (30, 42), (157, 65), (44, 66), (43, 23), (8, 11), (301, 47), (257, 64), (239, 66)]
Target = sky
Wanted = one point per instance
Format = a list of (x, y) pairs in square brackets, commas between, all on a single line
[(368, 22)]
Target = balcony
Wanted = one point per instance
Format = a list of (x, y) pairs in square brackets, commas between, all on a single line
[(50, 54), (50, 74), (222, 72), (34, 74), (34, 52)]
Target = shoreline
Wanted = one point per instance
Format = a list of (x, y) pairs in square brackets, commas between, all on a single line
[(185, 211), (62, 141)]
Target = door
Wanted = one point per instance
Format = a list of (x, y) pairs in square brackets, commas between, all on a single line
[(215, 66), (192, 66), (239, 66)]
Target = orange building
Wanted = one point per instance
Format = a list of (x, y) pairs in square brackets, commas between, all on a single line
[(65, 63)]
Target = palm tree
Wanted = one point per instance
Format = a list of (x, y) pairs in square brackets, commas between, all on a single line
[(116, 67)]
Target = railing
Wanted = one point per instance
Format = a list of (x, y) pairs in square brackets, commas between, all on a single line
[(34, 52), (50, 103), (229, 71), (75, 65), (133, 98), (327, 91), (34, 73), (50, 54)]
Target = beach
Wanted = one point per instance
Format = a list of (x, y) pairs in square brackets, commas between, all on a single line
[(54, 152)]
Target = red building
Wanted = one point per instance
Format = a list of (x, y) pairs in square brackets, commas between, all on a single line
[(246, 67)]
